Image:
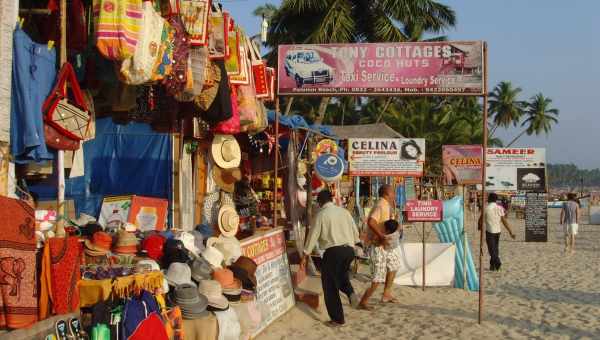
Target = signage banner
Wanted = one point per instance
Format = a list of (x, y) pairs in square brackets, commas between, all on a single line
[(462, 164), (536, 217), (274, 292), (432, 68), (424, 211), (516, 169), (386, 156)]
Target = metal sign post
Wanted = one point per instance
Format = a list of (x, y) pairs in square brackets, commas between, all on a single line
[(483, 176)]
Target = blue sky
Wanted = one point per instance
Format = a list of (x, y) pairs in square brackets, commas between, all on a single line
[(547, 46)]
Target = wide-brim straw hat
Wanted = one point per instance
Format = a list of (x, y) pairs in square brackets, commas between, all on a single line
[(226, 151), (229, 220), (127, 243), (226, 178)]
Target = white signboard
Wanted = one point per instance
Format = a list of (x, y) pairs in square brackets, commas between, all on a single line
[(274, 292), (386, 156), (516, 169)]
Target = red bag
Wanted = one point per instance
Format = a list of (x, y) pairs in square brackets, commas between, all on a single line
[(270, 84), (230, 126), (259, 72), (69, 119), (57, 141)]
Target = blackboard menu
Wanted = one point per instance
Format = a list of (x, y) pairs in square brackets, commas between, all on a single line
[(536, 217)]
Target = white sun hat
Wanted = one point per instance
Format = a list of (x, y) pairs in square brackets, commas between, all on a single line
[(226, 151)]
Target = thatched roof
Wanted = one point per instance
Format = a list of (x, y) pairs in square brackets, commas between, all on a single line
[(380, 130)]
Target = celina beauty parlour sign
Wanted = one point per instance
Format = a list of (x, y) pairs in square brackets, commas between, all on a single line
[(386, 156), (450, 67), (424, 211), (516, 169)]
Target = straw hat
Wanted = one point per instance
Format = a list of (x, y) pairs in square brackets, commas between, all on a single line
[(126, 243), (179, 274), (226, 178), (229, 221), (214, 293), (99, 245), (226, 151), (213, 256), (228, 246)]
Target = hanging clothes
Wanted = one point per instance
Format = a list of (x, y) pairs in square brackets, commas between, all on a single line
[(18, 287), (34, 73)]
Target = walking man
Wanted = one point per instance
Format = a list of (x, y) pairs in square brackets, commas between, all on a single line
[(385, 261), (336, 233), (494, 219), (569, 218)]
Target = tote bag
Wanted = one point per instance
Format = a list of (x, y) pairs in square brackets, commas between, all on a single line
[(259, 71), (117, 26), (194, 14), (230, 126), (232, 60), (243, 78), (217, 38)]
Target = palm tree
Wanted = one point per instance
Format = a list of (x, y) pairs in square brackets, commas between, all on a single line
[(505, 106), (540, 117), (348, 21)]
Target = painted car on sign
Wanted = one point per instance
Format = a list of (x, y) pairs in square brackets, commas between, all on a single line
[(307, 67)]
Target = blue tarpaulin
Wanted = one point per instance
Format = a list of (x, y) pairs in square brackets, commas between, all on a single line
[(298, 122), (126, 159)]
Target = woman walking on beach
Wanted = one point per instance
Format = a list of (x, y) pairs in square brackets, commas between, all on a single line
[(569, 218)]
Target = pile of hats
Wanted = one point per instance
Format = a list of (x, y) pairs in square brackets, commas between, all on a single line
[(101, 244)]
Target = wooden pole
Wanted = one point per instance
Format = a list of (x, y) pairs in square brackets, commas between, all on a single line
[(483, 177), (276, 172), (60, 159)]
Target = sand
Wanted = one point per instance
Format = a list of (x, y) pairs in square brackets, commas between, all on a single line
[(541, 293)]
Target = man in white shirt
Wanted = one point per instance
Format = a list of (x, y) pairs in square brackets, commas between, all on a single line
[(494, 219), (336, 232)]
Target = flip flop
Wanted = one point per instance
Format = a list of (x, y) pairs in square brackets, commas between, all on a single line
[(334, 324), (61, 329), (75, 328), (365, 307), (390, 300)]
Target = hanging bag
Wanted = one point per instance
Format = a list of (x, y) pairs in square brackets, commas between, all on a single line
[(117, 26), (66, 118), (194, 14), (270, 84), (246, 99), (176, 82), (199, 60), (259, 72), (243, 78), (217, 38), (139, 68), (232, 60), (230, 126)]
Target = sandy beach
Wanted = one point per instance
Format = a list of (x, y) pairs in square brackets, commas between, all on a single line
[(541, 293)]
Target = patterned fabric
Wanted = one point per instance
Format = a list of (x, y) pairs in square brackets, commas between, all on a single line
[(164, 64), (194, 14), (65, 256), (177, 81), (18, 293), (174, 323), (117, 27), (383, 261)]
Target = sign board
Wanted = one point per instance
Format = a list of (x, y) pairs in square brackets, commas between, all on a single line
[(148, 213), (329, 167), (462, 164), (274, 292), (516, 169), (536, 217), (114, 211), (386, 156), (409, 68), (424, 211)]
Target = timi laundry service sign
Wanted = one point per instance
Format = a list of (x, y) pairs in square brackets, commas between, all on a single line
[(424, 211), (436, 68), (386, 156), (516, 169)]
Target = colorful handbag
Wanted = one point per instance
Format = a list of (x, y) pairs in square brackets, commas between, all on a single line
[(68, 119), (270, 84), (57, 141), (177, 81), (164, 64), (139, 68), (259, 72), (232, 60), (211, 87), (221, 108), (117, 27), (243, 78), (217, 37), (194, 14)]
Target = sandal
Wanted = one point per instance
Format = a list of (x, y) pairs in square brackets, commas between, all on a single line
[(61, 329), (75, 328), (365, 307), (390, 300), (334, 324)]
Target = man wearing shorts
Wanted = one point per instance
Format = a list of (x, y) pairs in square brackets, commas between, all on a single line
[(569, 218), (385, 261)]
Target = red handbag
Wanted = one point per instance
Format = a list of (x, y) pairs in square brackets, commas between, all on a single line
[(57, 141), (259, 71), (69, 119)]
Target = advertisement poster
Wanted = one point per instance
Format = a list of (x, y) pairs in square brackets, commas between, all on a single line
[(462, 164), (148, 213), (114, 211), (536, 217), (424, 211), (435, 68), (386, 156), (274, 292), (516, 169)]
